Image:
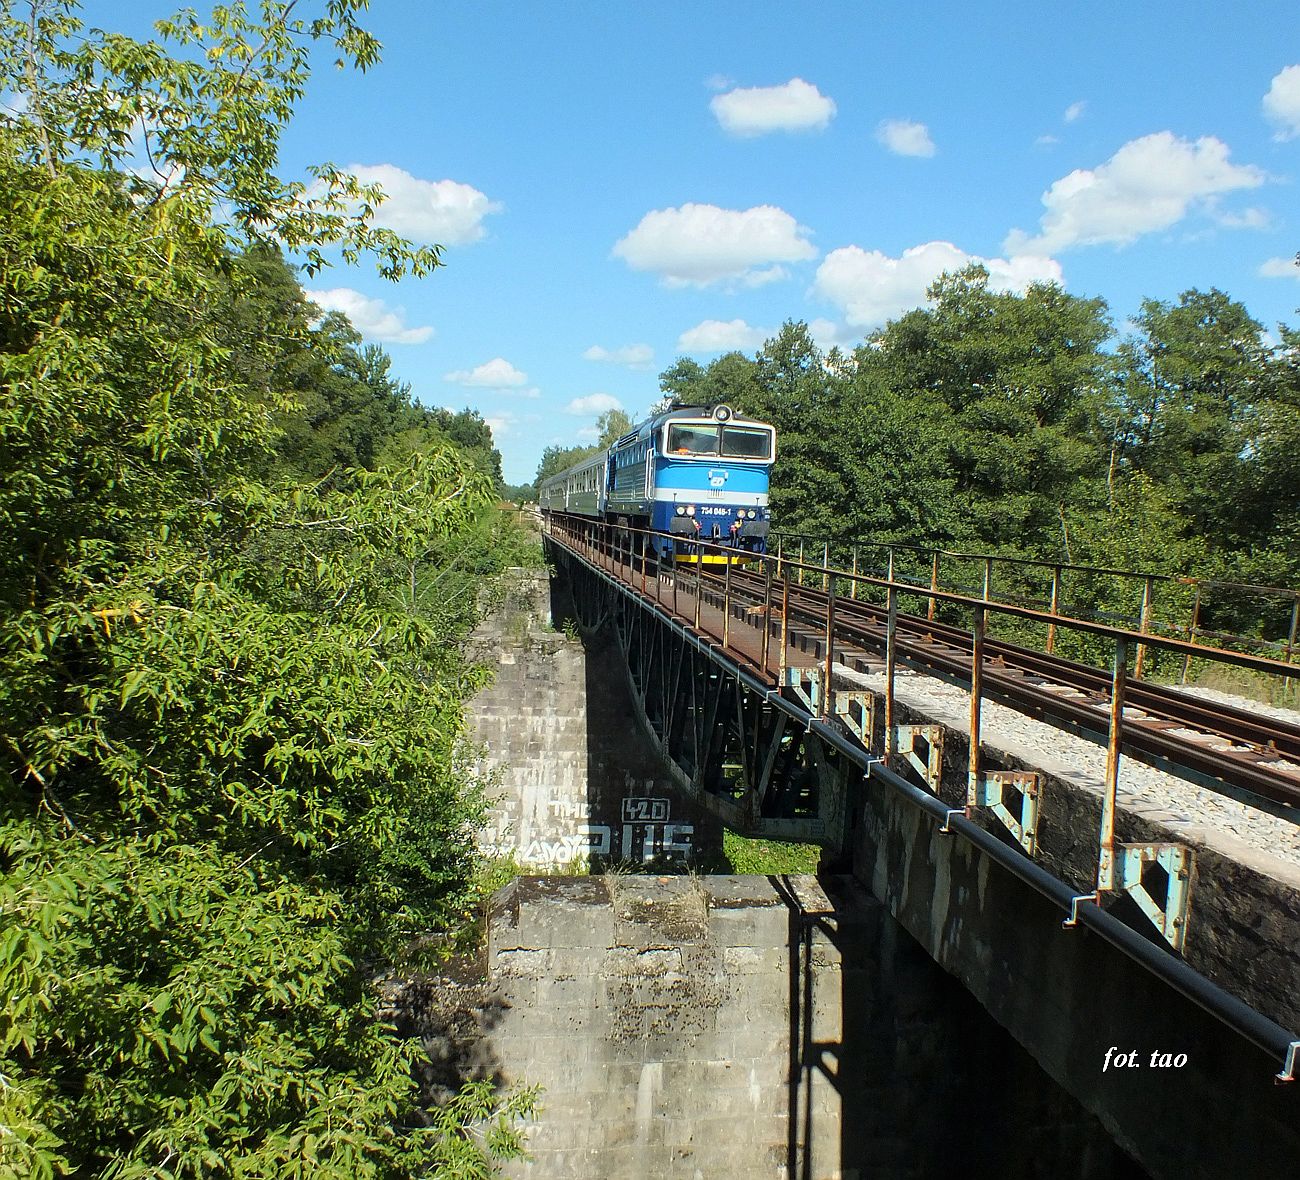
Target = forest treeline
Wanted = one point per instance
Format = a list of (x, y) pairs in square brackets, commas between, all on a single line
[(1019, 424), (1014, 423), (237, 562), (992, 421)]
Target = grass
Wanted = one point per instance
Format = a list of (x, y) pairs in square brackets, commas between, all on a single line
[(768, 857), (1242, 682)]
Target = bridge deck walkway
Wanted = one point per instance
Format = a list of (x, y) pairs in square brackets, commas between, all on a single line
[(738, 631)]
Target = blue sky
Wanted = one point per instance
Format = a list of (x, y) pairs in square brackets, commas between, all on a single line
[(620, 184)]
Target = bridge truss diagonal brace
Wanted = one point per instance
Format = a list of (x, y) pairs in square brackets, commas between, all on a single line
[(1135, 868), (991, 791)]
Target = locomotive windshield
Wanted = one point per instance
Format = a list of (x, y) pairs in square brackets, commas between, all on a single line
[(692, 440), (732, 442), (740, 443)]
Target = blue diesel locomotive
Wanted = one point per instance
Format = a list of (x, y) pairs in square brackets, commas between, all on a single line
[(694, 473)]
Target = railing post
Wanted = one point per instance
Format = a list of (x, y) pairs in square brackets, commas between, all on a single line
[(988, 577), (853, 589), (934, 585), (785, 621), (1144, 621), (830, 649), (1054, 609), (1290, 639), (826, 566), (1115, 739), (799, 572), (1191, 632), (699, 578), (726, 606), (780, 561), (976, 701), (891, 663), (766, 616)]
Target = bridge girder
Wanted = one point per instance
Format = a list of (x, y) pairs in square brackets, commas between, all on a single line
[(727, 744)]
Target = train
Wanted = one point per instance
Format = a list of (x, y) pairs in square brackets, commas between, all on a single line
[(694, 473)]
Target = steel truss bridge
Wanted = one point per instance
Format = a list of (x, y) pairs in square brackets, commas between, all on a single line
[(753, 681)]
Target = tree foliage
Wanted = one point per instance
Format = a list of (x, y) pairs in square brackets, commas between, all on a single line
[(231, 771), (205, 104)]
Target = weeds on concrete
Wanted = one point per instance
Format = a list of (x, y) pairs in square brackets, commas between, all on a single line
[(682, 915)]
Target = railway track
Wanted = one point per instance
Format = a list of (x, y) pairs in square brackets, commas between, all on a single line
[(1218, 745)]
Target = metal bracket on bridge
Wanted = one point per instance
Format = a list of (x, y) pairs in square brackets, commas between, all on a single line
[(857, 710), (1136, 869), (905, 743), (991, 792), (806, 686)]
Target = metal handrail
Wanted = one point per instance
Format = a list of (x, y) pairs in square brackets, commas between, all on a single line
[(1044, 563)]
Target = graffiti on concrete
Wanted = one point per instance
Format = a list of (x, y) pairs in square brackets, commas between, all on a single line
[(644, 834)]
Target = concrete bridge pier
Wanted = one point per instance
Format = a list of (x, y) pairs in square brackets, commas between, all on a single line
[(742, 1027)]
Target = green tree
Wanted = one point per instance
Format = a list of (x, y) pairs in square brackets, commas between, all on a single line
[(230, 767), (1024, 388), (613, 425), (209, 102), (1195, 378), (556, 459), (679, 381), (467, 429), (1257, 522)]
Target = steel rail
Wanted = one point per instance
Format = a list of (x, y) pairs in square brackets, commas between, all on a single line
[(1226, 721), (1246, 768)]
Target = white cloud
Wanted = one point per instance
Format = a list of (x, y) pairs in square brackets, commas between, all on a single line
[(869, 287), (756, 110), (373, 318), (1282, 103), (696, 245), (497, 373), (594, 403), (720, 336), (905, 138), (1280, 268), (501, 425), (827, 334), (445, 212), (1252, 218), (1149, 184), (1074, 111), (633, 356), (719, 82)]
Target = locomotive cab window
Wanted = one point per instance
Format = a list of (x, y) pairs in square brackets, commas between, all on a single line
[(741, 443), (692, 440)]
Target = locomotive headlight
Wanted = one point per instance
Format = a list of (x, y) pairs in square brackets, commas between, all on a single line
[(680, 510), (690, 509), (752, 514)]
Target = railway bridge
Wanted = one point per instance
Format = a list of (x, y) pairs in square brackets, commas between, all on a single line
[(1148, 960)]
